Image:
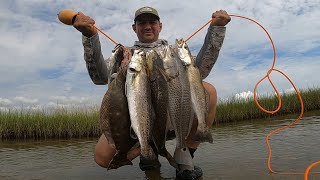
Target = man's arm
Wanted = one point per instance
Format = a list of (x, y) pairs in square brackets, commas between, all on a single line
[(96, 65), (209, 52)]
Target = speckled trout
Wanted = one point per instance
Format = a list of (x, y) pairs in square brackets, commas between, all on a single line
[(115, 120), (139, 102), (198, 96), (160, 100), (180, 110)]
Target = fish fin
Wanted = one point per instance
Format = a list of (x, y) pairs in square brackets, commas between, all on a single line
[(133, 134), (164, 153), (135, 146), (203, 136), (114, 75), (146, 164), (163, 73)]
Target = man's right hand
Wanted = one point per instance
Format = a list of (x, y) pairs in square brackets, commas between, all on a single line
[(84, 24)]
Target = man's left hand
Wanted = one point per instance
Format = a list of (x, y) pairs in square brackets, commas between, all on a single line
[(220, 18)]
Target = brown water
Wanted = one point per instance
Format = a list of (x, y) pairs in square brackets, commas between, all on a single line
[(239, 152)]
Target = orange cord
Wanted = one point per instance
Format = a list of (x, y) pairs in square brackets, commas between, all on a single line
[(279, 100), (306, 173), (105, 35)]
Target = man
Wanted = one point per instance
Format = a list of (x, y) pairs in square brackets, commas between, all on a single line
[(147, 26)]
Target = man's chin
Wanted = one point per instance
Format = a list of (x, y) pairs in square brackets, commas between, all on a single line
[(149, 40)]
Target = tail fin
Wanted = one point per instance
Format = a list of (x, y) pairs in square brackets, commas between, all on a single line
[(203, 136), (183, 157)]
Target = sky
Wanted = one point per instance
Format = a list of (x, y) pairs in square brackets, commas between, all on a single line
[(42, 62)]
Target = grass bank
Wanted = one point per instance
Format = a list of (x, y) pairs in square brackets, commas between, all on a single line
[(63, 123), (232, 110)]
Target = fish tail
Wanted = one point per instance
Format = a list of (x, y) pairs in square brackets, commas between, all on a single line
[(148, 164), (203, 135), (183, 157)]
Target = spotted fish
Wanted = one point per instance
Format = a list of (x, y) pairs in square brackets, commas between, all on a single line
[(160, 100), (139, 103), (114, 118), (115, 62), (180, 110), (198, 95)]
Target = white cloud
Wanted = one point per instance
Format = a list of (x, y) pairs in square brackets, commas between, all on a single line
[(5, 102), (42, 59), (70, 100), (289, 91), (244, 95), (23, 100)]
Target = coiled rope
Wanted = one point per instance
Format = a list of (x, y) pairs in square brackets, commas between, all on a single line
[(279, 100)]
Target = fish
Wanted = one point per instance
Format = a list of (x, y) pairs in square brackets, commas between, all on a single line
[(160, 100), (180, 110), (140, 107), (115, 62), (198, 94), (115, 118)]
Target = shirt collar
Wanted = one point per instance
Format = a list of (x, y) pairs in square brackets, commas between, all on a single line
[(157, 43)]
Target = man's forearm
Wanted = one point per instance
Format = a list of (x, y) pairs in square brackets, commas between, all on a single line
[(96, 65), (209, 52)]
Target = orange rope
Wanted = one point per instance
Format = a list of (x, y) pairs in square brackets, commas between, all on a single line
[(198, 30), (105, 35), (306, 173), (279, 100)]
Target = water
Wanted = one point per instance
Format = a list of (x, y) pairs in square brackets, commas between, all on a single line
[(239, 152)]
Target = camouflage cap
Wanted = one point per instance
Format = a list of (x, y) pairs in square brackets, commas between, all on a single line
[(146, 10)]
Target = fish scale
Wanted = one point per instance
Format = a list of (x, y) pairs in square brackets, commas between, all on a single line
[(139, 102), (160, 100), (115, 121), (179, 106), (198, 95)]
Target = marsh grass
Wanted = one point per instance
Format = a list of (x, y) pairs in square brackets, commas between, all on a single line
[(232, 109), (60, 123), (84, 122)]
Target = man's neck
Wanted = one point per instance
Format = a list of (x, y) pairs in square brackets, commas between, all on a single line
[(150, 45)]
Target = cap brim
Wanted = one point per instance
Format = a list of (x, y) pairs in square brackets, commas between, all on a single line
[(137, 18)]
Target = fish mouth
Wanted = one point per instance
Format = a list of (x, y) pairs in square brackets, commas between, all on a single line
[(180, 42), (133, 70)]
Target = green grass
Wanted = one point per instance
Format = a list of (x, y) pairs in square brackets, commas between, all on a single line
[(79, 123), (19, 124), (236, 110)]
